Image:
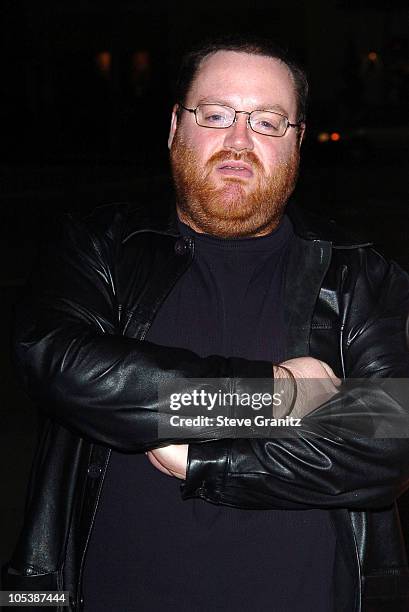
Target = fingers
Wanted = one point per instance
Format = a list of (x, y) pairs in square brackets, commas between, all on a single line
[(171, 460), (330, 372), (157, 464)]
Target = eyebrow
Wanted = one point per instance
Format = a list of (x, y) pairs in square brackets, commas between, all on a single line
[(267, 107)]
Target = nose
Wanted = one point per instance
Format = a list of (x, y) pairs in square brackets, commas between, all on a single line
[(239, 135)]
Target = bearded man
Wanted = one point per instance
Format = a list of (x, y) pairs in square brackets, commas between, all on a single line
[(230, 288)]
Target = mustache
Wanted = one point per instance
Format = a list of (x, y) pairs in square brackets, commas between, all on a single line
[(246, 156)]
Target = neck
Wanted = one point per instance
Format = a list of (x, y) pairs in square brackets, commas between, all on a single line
[(264, 231)]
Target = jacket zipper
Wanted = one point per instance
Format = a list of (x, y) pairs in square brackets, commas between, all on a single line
[(344, 272)]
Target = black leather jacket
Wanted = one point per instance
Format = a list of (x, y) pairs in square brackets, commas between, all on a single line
[(81, 353)]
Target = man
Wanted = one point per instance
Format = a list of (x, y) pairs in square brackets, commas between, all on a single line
[(131, 301)]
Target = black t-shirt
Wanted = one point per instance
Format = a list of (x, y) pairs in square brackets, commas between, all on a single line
[(151, 551)]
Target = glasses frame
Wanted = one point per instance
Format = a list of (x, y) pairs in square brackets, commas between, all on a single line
[(236, 112)]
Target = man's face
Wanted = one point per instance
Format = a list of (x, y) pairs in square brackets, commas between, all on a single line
[(235, 182)]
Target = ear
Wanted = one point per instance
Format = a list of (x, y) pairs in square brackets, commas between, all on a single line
[(301, 134), (173, 125)]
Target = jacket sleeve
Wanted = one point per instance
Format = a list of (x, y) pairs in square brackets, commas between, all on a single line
[(325, 466), (73, 359)]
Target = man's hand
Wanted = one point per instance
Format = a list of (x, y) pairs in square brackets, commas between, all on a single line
[(309, 367), (171, 460), (316, 383), (315, 380)]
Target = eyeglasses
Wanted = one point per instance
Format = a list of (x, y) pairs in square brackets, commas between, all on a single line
[(220, 117)]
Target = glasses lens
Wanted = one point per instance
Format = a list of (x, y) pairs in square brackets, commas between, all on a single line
[(214, 115), (268, 123)]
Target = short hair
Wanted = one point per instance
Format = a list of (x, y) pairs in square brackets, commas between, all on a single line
[(192, 61)]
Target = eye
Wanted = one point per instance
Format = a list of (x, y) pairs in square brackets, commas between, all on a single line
[(264, 123), (214, 118), (267, 122), (214, 115)]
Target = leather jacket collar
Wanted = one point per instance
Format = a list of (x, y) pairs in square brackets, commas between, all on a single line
[(307, 225)]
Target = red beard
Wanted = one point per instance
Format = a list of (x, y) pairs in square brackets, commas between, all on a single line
[(233, 209)]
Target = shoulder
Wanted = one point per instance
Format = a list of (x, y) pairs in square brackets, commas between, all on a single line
[(352, 253), (312, 226)]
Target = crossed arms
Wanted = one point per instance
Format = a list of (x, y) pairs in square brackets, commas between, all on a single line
[(75, 361)]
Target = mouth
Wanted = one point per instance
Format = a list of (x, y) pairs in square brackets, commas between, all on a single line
[(235, 168)]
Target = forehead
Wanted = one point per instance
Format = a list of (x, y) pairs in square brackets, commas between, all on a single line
[(245, 81)]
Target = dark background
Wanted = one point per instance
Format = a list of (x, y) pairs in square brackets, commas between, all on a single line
[(85, 101)]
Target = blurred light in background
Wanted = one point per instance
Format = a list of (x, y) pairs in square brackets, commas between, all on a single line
[(141, 61), (140, 71), (104, 63), (327, 136), (373, 56), (323, 137)]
